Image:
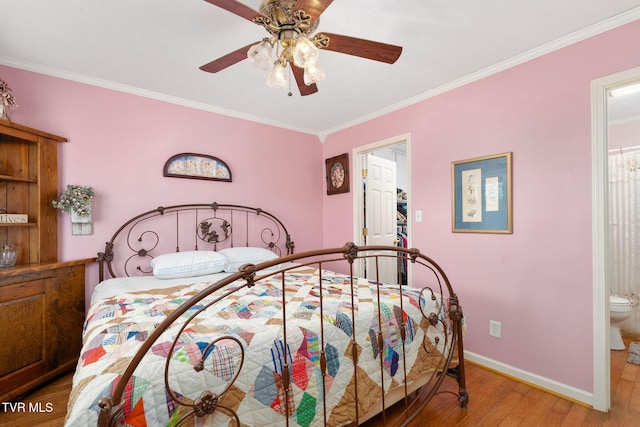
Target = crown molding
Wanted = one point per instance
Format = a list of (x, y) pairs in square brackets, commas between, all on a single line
[(575, 37), (106, 84)]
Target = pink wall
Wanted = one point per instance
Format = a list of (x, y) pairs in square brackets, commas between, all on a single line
[(537, 282), (118, 144)]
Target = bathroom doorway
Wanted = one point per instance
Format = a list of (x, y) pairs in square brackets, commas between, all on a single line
[(623, 142), (600, 101)]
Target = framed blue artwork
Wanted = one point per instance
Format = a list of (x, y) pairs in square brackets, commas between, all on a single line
[(197, 166), (482, 195)]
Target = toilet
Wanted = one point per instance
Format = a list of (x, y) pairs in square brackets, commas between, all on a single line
[(619, 309)]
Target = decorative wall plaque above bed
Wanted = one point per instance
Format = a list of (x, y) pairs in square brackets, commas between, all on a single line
[(197, 166)]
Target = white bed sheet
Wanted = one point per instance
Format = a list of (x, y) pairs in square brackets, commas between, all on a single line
[(119, 285)]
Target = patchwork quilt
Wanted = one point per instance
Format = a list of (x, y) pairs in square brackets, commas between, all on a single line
[(245, 344)]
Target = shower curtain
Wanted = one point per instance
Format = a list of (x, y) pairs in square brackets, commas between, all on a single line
[(624, 231)]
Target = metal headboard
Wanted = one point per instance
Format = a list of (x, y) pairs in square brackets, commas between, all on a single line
[(189, 227)]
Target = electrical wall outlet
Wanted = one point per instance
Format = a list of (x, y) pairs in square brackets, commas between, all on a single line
[(495, 329)]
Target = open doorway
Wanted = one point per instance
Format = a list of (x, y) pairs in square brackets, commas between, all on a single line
[(600, 95), (623, 142), (381, 214)]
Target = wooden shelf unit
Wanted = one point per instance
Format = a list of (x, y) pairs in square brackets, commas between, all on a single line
[(28, 184)]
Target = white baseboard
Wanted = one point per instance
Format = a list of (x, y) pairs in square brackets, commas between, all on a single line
[(533, 379)]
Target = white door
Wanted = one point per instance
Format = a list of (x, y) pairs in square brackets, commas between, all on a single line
[(381, 215)]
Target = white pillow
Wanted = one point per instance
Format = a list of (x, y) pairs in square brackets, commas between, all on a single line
[(239, 256), (188, 264)]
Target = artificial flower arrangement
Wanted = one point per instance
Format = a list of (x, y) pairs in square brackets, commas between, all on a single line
[(634, 298), (76, 198), (7, 101)]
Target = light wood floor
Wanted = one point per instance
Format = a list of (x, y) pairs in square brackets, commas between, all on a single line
[(495, 400)]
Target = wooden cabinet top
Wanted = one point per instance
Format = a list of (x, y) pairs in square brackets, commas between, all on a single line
[(25, 132), (20, 270)]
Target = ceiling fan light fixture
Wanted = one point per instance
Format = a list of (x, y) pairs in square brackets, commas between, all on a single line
[(313, 74), (291, 25), (278, 76), (305, 53), (260, 54)]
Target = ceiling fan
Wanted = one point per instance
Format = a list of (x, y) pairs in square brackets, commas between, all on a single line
[(291, 25)]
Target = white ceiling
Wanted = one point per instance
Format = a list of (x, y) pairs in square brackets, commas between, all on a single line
[(154, 48)]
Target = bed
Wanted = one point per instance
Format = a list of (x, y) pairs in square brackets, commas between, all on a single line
[(205, 315)]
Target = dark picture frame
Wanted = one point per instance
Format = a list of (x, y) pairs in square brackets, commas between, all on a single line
[(337, 174), (482, 194), (197, 166)]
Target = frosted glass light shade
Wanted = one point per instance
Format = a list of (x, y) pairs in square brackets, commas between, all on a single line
[(313, 74), (278, 77), (305, 53), (260, 55)]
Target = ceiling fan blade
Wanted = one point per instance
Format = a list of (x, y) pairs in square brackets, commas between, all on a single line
[(305, 90), (236, 8), (363, 48), (227, 60), (313, 7)]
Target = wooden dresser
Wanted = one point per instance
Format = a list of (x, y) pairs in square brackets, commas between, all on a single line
[(41, 318), (42, 301)]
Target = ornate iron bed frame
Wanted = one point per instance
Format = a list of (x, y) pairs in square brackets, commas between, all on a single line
[(140, 249), (209, 226)]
